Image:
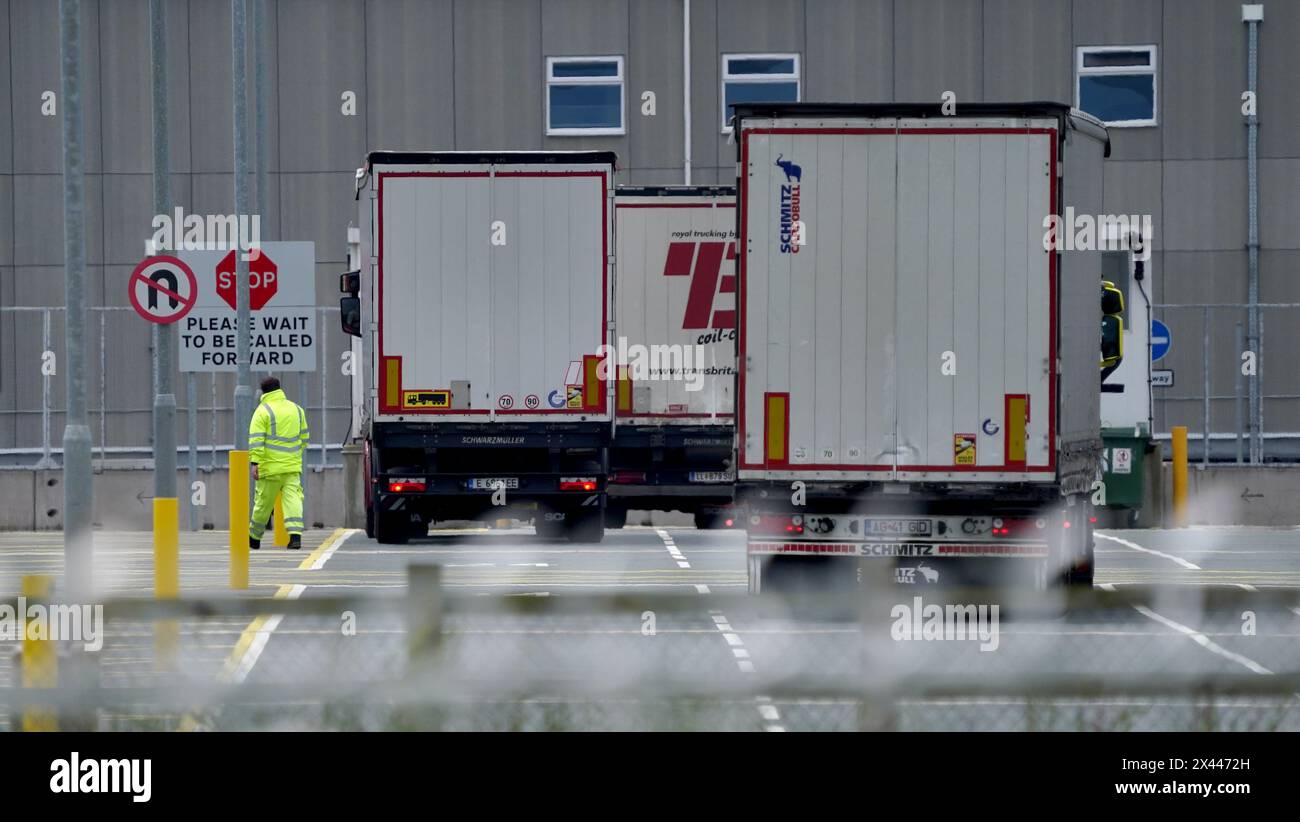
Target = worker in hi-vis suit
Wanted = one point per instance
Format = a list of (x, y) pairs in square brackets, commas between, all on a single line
[(277, 437)]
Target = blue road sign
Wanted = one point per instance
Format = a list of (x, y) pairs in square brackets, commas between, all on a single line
[(1161, 339)]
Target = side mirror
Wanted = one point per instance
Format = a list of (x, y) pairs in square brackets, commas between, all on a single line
[(350, 283), (350, 315)]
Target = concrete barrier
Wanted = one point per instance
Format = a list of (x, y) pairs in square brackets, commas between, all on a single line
[(1230, 494), (33, 500)]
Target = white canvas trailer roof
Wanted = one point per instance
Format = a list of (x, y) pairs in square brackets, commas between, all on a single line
[(492, 283), (898, 306), (676, 304)]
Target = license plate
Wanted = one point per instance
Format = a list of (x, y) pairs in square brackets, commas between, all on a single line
[(710, 476), (903, 527), (490, 483)]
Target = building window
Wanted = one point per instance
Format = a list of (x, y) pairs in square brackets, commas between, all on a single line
[(584, 96), (758, 78), (1117, 84)]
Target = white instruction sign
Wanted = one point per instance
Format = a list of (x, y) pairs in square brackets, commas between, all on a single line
[(282, 303)]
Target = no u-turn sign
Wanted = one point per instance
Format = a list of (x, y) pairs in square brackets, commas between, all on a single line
[(162, 289)]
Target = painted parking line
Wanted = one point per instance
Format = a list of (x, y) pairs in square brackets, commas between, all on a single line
[(1129, 544), (673, 550), (1203, 640), (317, 559)]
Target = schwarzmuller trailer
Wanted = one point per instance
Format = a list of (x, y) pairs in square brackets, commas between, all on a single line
[(918, 376), (676, 318), (484, 305)]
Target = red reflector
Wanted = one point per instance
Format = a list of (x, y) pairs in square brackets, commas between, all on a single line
[(399, 487), (1092, 520), (776, 524), (568, 485), (1067, 524), (622, 477), (730, 522)]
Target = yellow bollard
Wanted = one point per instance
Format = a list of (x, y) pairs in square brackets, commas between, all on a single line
[(40, 659), (1179, 433), (239, 519), (281, 534), (166, 577)]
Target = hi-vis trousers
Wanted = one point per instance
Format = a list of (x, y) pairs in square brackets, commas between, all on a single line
[(289, 489)]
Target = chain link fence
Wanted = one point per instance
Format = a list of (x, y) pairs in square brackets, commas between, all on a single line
[(1151, 659), (1236, 391), (119, 358)]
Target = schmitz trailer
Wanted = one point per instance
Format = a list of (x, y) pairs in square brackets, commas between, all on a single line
[(484, 306), (919, 378), (676, 359)]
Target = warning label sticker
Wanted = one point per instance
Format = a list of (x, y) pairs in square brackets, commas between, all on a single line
[(426, 399), (963, 449)]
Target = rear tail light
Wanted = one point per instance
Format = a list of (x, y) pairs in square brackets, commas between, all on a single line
[(730, 522), (577, 483), (776, 524), (398, 486), (1092, 520), (1003, 527), (622, 477)]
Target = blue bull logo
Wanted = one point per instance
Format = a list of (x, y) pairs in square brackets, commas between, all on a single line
[(793, 173)]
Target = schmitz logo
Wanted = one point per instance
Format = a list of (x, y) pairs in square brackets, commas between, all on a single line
[(791, 227), (702, 262)]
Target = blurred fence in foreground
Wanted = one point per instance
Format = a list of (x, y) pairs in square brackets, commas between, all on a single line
[(433, 661)]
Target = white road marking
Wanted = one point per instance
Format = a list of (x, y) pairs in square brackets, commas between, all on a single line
[(766, 710), (1202, 640), (1243, 586), (673, 550), (703, 589), (1127, 544), (335, 540)]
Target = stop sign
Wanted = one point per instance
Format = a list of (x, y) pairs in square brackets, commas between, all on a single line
[(262, 277)]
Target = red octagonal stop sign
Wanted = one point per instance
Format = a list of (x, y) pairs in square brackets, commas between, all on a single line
[(262, 277)]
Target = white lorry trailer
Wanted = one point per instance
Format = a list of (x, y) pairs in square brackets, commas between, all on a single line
[(919, 378), (676, 360), (484, 305)]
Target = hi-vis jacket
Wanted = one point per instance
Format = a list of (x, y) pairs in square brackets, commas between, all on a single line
[(277, 436)]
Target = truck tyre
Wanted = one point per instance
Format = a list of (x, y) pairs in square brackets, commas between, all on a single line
[(391, 529), (705, 520), (585, 526), (370, 522), (615, 517), (1083, 573), (547, 529)]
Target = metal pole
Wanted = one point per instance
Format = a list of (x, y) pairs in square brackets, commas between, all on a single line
[(78, 539), (1205, 372), (103, 388), (1252, 243), (259, 105), (1241, 421), (164, 400), (686, 91), (212, 421), (192, 426), (1259, 381), (324, 343), (302, 479), (243, 399), (46, 343)]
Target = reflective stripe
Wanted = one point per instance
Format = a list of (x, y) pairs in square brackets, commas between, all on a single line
[(281, 439), (270, 414), (284, 449), (255, 529)]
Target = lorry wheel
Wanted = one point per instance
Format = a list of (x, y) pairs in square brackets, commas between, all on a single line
[(548, 529), (615, 517), (370, 522), (391, 529), (705, 520), (585, 526)]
